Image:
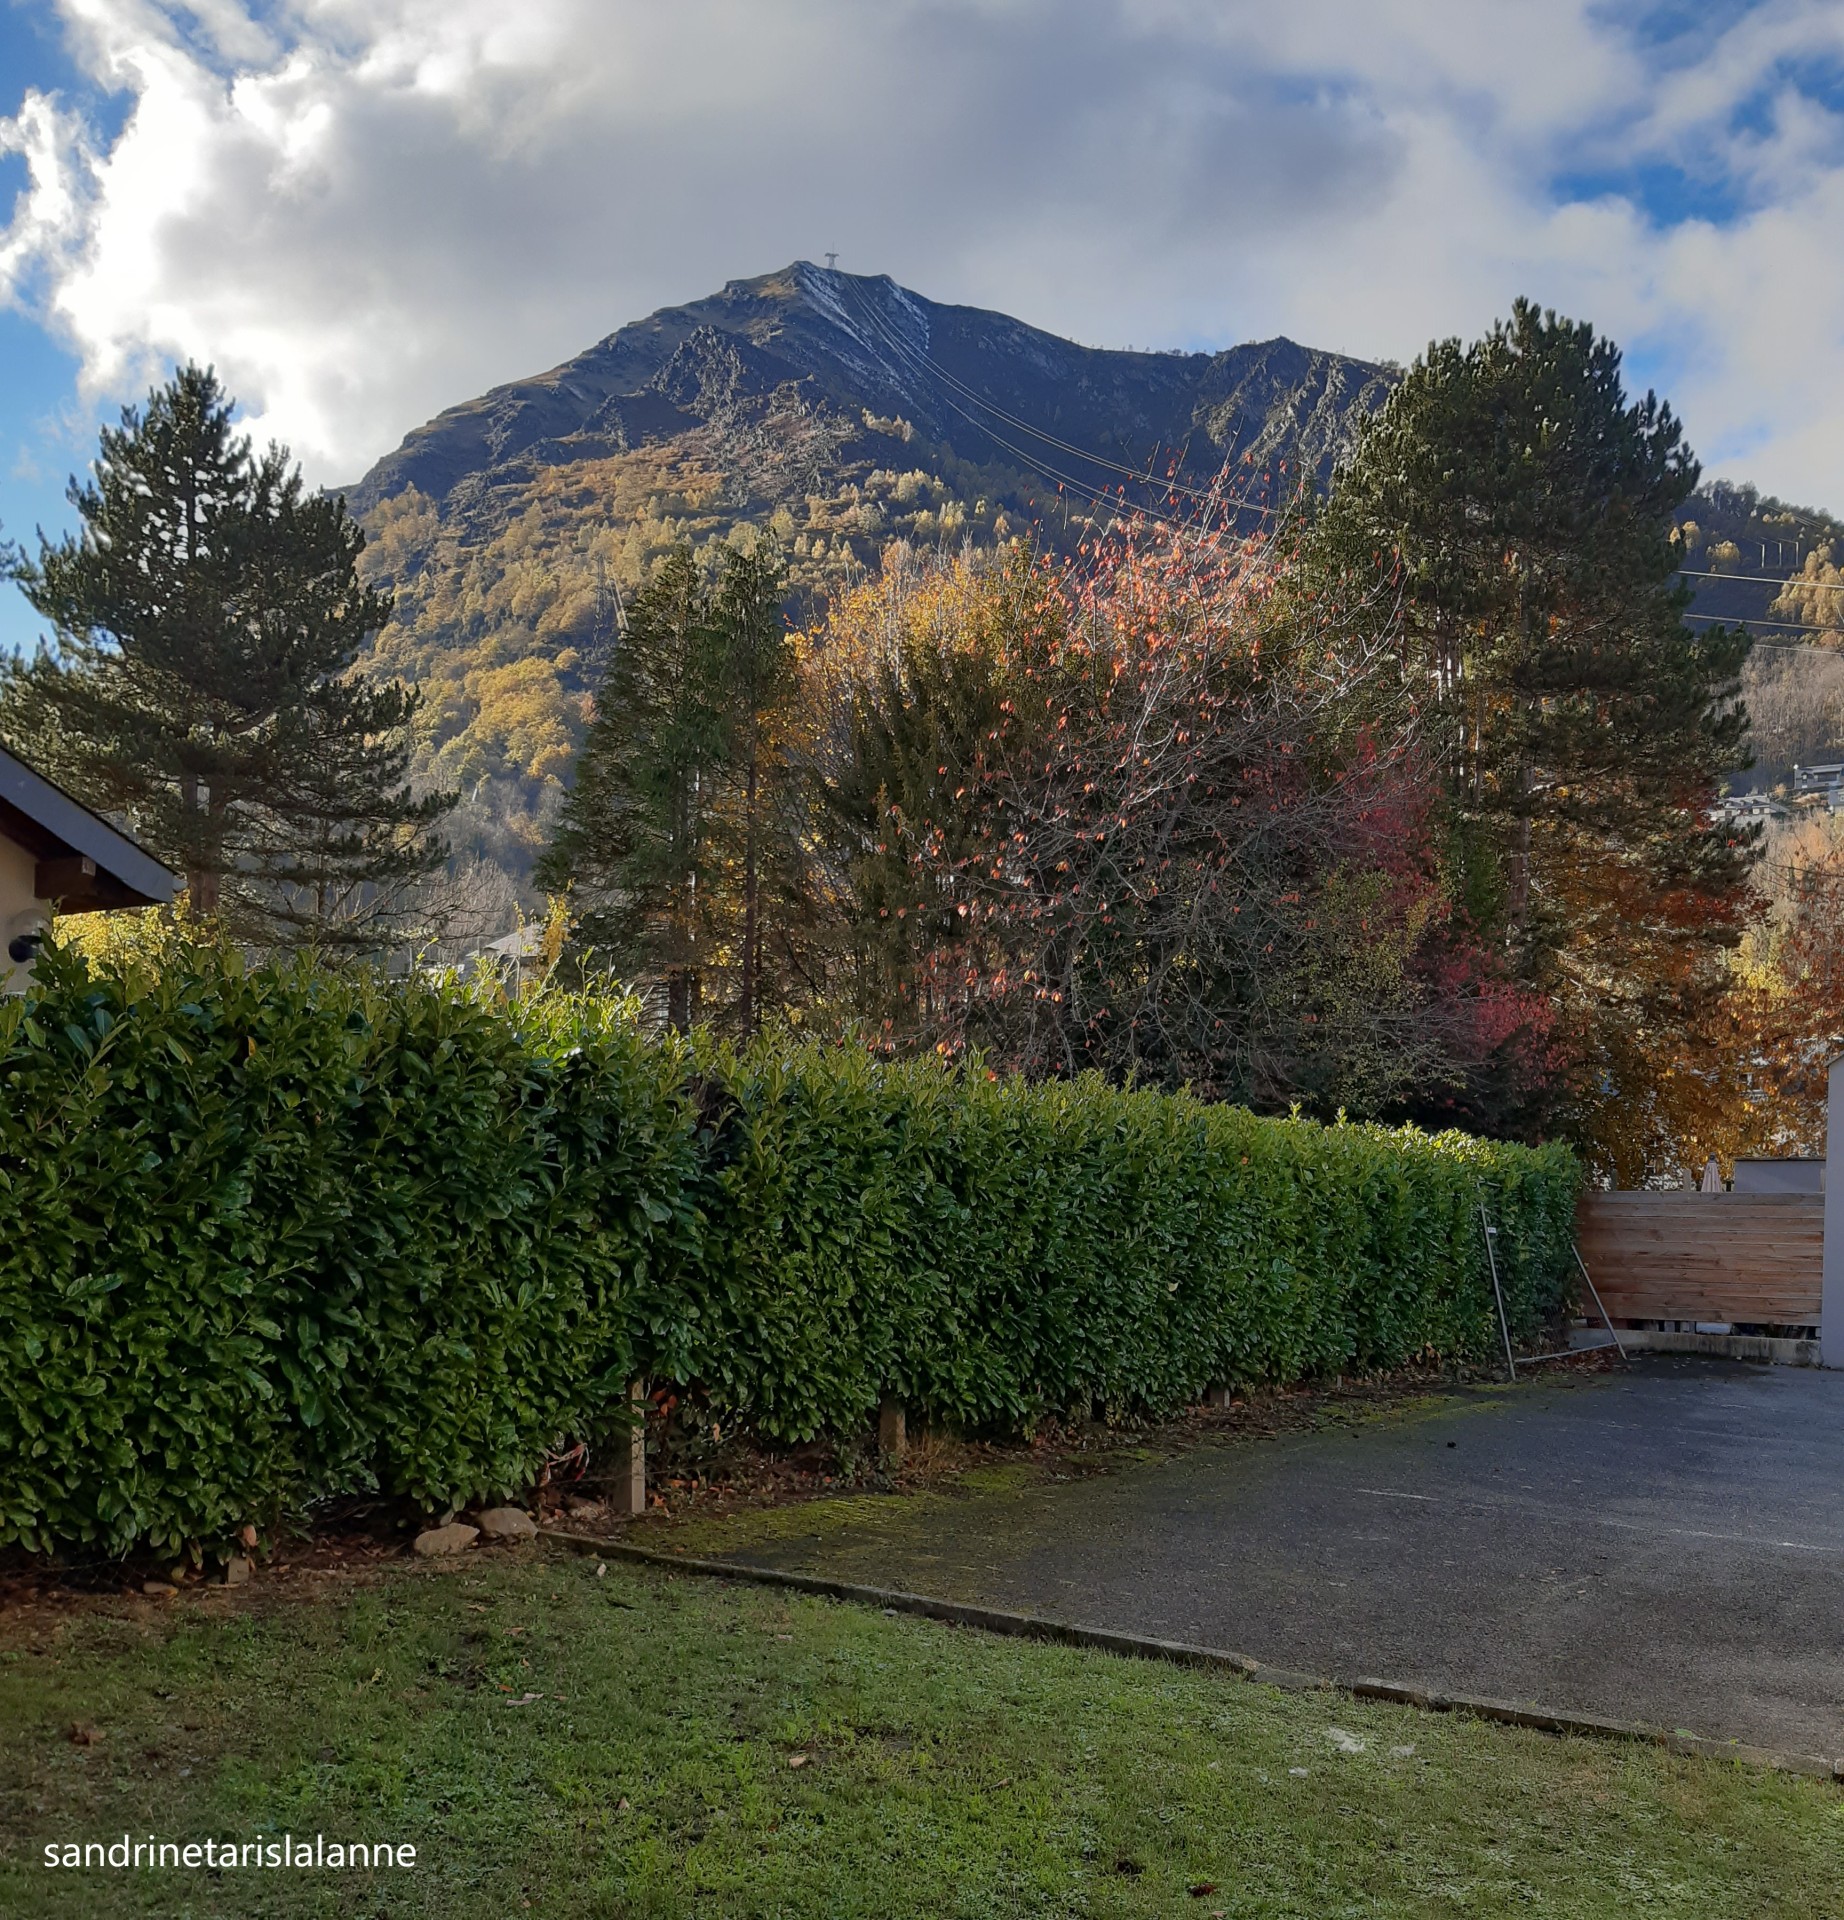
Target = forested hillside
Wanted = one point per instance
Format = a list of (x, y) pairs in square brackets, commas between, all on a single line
[(848, 413), (1775, 567), (1334, 738)]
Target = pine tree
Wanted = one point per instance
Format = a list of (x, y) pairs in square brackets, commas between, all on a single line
[(753, 661), (208, 617), (680, 841), (1522, 509), (634, 846)]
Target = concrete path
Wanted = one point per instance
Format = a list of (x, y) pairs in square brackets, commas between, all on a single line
[(1665, 1545)]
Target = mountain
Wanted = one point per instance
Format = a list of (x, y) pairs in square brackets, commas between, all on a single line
[(869, 369), (843, 410)]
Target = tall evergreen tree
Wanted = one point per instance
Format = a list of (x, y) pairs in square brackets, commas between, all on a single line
[(1523, 509), (209, 614), (754, 661), (674, 842), (633, 845)]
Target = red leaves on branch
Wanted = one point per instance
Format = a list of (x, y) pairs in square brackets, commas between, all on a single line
[(1214, 803)]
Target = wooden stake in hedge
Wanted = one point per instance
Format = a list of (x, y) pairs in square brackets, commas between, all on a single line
[(892, 1432), (629, 1492)]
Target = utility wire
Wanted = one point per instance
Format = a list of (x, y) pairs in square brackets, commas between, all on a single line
[(1744, 620), (934, 366), (919, 359), (1031, 460), (1763, 579)]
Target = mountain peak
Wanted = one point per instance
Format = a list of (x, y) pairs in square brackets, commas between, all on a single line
[(843, 348)]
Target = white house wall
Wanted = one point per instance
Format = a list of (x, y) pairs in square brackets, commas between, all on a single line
[(20, 909)]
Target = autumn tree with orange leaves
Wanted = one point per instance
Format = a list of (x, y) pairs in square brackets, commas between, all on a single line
[(1756, 1083), (1154, 815), (1523, 507)]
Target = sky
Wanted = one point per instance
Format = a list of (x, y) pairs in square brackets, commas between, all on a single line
[(363, 211)]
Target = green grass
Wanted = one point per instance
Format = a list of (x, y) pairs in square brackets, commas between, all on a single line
[(948, 1773)]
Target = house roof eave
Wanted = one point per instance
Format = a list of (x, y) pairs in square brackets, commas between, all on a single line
[(58, 830)]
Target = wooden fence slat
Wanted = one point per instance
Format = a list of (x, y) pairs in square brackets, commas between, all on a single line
[(1756, 1258)]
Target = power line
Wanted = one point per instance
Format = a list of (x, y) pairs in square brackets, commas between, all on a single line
[(1746, 620), (919, 357), (1036, 461), (1785, 626), (1764, 579)]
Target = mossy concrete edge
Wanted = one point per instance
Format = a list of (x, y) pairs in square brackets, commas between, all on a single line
[(1037, 1626)]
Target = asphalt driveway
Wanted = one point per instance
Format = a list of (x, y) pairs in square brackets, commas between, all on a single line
[(1663, 1545)]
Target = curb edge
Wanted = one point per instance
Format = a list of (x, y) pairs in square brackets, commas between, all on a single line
[(1036, 1626)]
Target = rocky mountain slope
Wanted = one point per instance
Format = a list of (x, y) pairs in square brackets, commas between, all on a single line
[(841, 410), (845, 412), (808, 371)]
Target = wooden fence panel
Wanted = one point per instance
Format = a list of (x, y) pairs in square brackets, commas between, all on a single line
[(1756, 1258)]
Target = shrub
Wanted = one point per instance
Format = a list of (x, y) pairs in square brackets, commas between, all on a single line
[(992, 1250), (277, 1235), (282, 1234)]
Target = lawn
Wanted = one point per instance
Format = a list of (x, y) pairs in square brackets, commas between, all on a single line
[(558, 1741)]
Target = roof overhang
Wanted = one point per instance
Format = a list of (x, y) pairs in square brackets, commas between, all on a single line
[(83, 863)]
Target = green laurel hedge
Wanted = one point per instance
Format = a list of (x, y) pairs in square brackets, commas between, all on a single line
[(277, 1235), (988, 1250)]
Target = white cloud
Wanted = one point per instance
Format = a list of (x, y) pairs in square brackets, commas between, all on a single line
[(365, 210)]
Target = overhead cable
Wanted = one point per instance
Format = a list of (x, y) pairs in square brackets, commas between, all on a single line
[(1763, 579)]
